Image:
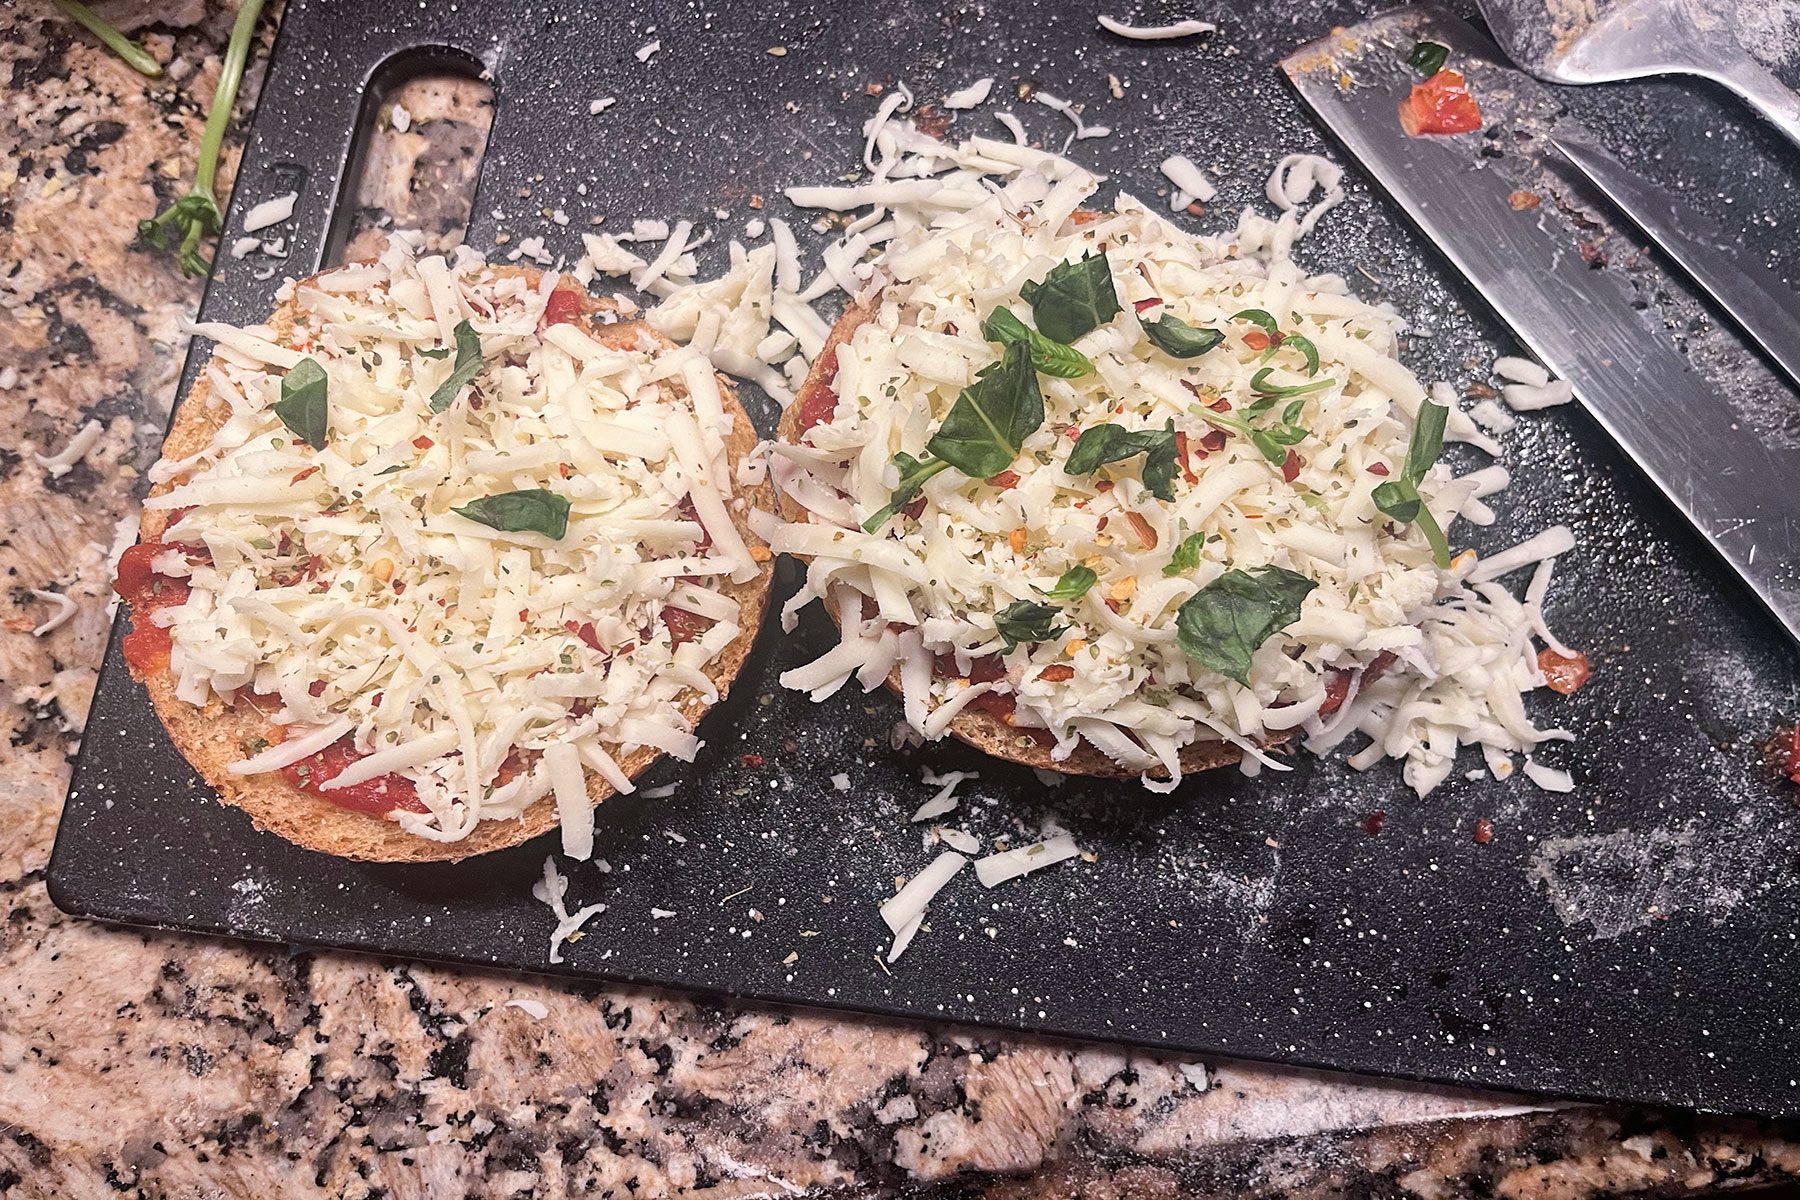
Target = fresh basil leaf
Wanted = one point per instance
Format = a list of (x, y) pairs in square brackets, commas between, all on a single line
[(1398, 498), (1074, 584), (1305, 346), (468, 366), (436, 352), (990, 421), (913, 474), (303, 405), (1187, 555), (531, 511), (1074, 298), (1027, 621), (1258, 317), (1427, 441), (1221, 625), (1259, 383), (1101, 444), (1175, 337), (1052, 358), (1428, 58)]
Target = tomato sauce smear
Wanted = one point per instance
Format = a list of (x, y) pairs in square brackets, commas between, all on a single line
[(147, 646), (382, 794), (563, 306)]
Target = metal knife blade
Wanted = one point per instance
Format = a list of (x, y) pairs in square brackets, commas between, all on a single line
[(1738, 491), (1763, 306)]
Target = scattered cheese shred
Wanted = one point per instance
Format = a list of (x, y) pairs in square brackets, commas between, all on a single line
[(551, 890), (996, 869), (1157, 33)]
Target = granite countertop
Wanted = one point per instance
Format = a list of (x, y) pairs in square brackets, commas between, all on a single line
[(158, 1065)]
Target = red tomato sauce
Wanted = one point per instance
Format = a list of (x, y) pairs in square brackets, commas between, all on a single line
[(382, 794), (146, 647), (563, 305)]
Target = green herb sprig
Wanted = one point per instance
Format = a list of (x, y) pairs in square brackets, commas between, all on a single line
[(197, 215), (1050, 357), (1273, 441), (1399, 498), (981, 436), (135, 56)]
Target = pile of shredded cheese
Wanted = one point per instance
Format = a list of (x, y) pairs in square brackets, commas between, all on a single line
[(959, 229), (489, 668)]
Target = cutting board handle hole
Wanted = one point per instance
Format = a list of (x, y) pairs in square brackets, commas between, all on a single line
[(425, 114)]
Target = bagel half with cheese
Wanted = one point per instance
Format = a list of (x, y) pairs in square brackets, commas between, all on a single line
[(1095, 495), (442, 556)]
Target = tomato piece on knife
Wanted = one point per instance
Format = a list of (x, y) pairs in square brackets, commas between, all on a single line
[(1442, 104)]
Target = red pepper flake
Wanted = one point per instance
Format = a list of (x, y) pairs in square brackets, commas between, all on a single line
[(1057, 673), (1290, 466), (524, 614), (1379, 468), (914, 509), (1484, 831), (375, 700), (1213, 440), (1220, 404), (1256, 339), (423, 443), (1143, 305), (1565, 675), (399, 586), (1784, 750), (585, 631), (1104, 485), (565, 470), (316, 688), (1112, 604), (1072, 433), (1183, 454), (754, 760), (1372, 823), (1005, 480), (304, 472), (931, 121)]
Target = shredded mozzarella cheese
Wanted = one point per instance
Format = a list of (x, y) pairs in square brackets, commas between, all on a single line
[(490, 668)]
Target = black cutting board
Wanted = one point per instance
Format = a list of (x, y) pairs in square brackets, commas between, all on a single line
[(1633, 940)]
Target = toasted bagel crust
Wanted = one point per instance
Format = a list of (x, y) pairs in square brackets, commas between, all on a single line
[(984, 731), (214, 735)]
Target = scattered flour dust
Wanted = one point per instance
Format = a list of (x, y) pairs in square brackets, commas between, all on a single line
[(1618, 882)]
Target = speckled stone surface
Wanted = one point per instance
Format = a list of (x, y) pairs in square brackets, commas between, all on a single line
[(164, 1066)]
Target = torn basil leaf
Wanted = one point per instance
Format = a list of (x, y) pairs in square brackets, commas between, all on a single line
[(1175, 337), (531, 511), (1052, 358), (1186, 558), (1073, 585), (1101, 444), (1074, 298), (1222, 625), (1428, 58), (1027, 621), (435, 352), (990, 421), (1399, 498), (303, 405), (467, 367)]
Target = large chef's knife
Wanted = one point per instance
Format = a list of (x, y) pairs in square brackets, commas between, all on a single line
[(1480, 211), (1766, 309)]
